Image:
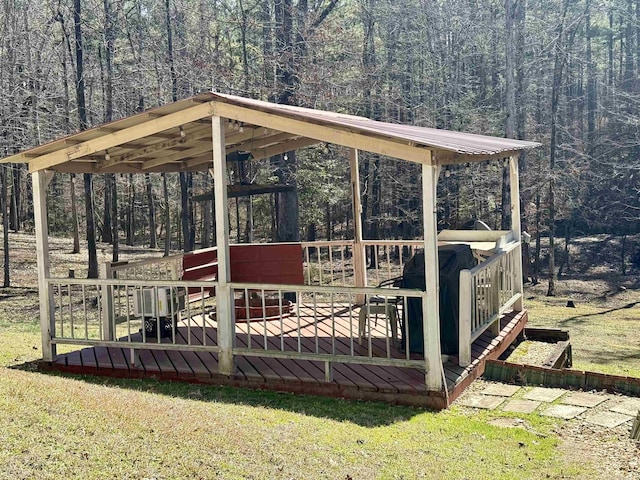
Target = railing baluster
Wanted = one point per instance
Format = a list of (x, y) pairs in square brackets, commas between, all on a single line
[(247, 309), (264, 319), (330, 265), (315, 322), (298, 301), (306, 252)]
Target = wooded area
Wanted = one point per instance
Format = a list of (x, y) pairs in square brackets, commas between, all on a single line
[(561, 72)]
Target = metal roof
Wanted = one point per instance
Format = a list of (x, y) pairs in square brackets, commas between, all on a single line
[(177, 137)]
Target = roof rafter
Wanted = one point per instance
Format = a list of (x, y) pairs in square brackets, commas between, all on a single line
[(323, 133), (153, 148), (125, 135)]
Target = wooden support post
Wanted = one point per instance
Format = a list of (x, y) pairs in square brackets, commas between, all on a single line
[(359, 257), (514, 183), (494, 301), (430, 298), (106, 297), (225, 311), (464, 328), (47, 319)]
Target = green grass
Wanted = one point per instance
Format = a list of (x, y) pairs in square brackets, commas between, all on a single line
[(604, 338), (56, 426)]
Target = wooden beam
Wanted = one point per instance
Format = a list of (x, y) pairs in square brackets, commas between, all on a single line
[(260, 153), (47, 324), (120, 137), (516, 229), (261, 142), (442, 157), (195, 134), (359, 254), (225, 311), (248, 132), (134, 154), (198, 150), (235, 191), (257, 154), (430, 298), (338, 135)]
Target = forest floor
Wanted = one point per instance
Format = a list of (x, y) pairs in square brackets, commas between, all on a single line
[(605, 335)]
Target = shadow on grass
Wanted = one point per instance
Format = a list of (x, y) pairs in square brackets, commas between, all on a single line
[(361, 413), (7, 293), (604, 358), (579, 318)]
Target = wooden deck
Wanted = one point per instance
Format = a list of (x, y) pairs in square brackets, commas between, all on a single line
[(367, 382)]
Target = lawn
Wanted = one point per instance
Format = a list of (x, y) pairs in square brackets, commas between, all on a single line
[(56, 426), (605, 335)]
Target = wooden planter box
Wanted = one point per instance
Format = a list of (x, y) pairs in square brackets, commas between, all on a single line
[(271, 309)]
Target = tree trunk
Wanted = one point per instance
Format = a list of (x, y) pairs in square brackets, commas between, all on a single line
[(536, 270), (560, 59), (107, 229), (623, 252), (82, 113), (5, 225), (167, 216), (184, 212), (131, 218), (74, 215), (591, 86), (115, 253), (153, 243), (207, 214), (15, 200)]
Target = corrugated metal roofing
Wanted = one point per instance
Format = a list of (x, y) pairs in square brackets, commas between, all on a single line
[(177, 137), (452, 141)]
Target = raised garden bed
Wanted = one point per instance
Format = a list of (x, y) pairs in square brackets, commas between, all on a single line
[(259, 309), (554, 370)]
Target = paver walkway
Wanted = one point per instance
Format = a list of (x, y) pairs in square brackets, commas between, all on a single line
[(612, 410)]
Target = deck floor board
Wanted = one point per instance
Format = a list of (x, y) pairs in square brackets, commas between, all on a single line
[(322, 333)]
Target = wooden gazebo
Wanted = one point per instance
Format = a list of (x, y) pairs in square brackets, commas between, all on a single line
[(200, 133)]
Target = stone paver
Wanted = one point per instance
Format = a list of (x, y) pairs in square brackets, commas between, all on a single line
[(582, 399), (563, 411), (608, 419), (482, 401), (628, 407), (542, 394), (520, 406), (500, 390)]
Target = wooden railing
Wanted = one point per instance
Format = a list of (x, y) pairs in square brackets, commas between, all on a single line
[(487, 291), (330, 319), (386, 258), (322, 324), (102, 312), (328, 263), (162, 268), (333, 263)]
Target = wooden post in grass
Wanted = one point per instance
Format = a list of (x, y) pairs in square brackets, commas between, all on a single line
[(47, 319), (225, 310), (430, 298)]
